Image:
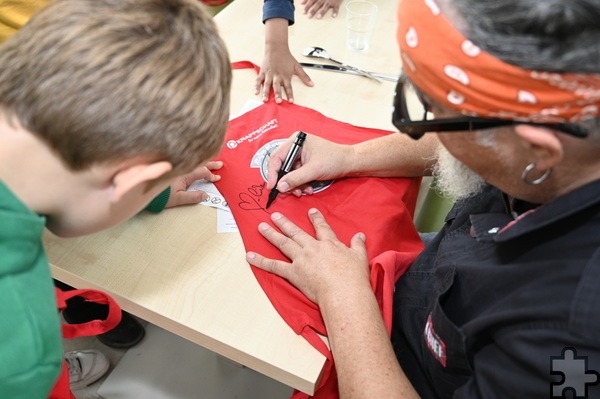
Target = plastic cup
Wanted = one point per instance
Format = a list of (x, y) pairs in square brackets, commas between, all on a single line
[(360, 23)]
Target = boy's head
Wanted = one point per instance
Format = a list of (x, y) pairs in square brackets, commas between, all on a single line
[(110, 82)]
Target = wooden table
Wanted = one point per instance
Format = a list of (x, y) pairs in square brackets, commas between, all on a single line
[(175, 271)]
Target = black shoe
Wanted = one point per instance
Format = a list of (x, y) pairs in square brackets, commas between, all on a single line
[(129, 332), (126, 334)]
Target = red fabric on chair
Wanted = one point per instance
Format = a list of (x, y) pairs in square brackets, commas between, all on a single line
[(382, 208), (93, 327)]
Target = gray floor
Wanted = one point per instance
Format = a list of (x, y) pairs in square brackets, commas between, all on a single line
[(165, 366)]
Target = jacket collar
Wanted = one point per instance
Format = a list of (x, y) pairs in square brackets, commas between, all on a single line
[(545, 215)]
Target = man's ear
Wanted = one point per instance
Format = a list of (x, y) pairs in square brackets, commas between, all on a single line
[(128, 177), (544, 143)]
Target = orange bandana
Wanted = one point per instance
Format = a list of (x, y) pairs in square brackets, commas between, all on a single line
[(447, 66)]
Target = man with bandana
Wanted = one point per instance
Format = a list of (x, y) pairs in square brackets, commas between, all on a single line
[(503, 302)]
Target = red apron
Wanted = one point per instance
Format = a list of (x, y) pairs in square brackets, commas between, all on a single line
[(382, 208)]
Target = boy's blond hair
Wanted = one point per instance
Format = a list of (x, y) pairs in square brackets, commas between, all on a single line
[(106, 80)]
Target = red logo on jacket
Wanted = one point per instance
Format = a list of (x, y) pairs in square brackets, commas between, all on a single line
[(436, 346)]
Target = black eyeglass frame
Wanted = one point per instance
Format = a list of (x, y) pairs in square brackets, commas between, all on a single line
[(416, 129)]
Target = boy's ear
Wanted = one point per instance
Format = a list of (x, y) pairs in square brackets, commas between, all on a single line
[(129, 177), (545, 144)]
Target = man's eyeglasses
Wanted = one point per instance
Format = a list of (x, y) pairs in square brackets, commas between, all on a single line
[(412, 118)]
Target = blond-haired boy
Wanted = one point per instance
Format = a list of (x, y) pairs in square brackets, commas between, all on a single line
[(103, 104)]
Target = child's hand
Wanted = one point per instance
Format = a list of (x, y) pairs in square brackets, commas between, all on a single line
[(180, 195), (279, 65), (318, 8)]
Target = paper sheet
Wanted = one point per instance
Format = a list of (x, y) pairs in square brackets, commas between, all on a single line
[(215, 198), (225, 221)]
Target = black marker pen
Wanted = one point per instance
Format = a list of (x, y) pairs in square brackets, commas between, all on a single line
[(287, 164)]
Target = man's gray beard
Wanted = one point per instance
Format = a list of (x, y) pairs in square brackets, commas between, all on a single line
[(453, 178)]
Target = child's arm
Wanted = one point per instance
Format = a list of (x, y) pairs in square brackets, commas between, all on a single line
[(278, 65)]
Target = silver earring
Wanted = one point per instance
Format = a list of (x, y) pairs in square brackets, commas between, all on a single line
[(539, 180)]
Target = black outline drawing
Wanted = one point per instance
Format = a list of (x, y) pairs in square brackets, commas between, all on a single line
[(252, 197)]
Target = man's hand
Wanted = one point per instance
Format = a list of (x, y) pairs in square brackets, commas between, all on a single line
[(320, 159), (319, 267)]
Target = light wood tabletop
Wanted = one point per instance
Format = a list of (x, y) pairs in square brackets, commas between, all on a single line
[(175, 271)]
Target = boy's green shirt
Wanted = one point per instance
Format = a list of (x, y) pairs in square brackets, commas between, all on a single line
[(30, 336), (159, 202)]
